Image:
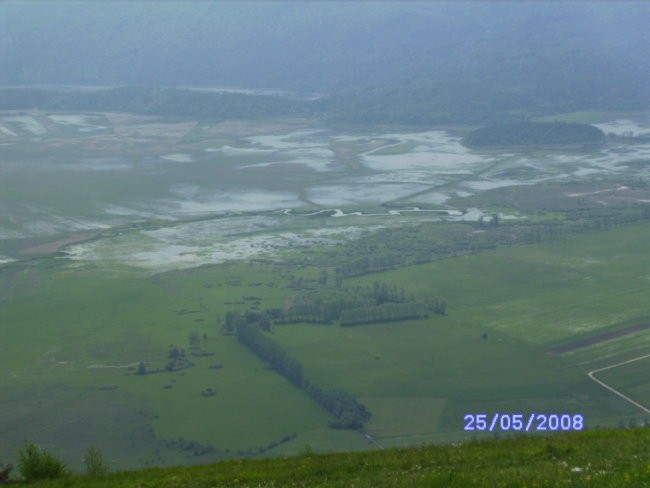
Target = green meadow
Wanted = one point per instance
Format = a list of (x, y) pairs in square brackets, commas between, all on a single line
[(524, 298), (630, 379), (611, 352), (76, 333), (600, 458), (108, 264)]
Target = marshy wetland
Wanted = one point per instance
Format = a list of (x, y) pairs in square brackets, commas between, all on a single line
[(123, 236)]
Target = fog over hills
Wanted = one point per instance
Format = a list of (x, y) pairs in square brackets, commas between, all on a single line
[(251, 230), (588, 53)]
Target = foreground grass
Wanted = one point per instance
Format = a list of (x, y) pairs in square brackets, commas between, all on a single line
[(596, 458)]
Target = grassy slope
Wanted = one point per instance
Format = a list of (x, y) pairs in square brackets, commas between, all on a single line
[(598, 458), (73, 319), (437, 369), (542, 293), (526, 297)]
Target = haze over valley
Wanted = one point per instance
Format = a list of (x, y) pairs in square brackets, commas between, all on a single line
[(260, 229)]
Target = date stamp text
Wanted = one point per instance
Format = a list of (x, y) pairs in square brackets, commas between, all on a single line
[(519, 422)]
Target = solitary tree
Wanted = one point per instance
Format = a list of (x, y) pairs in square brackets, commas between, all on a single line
[(194, 339), (36, 463), (142, 369), (95, 463)]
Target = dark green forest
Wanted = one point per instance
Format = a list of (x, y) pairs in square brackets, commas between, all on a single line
[(415, 104), (377, 62), (533, 133), (153, 101)]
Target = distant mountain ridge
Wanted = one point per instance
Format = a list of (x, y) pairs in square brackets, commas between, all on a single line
[(460, 56)]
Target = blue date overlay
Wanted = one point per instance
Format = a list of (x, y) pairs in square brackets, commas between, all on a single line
[(519, 422)]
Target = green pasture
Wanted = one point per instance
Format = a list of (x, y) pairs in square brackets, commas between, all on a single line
[(73, 333), (419, 378), (604, 458), (631, 379), (72, 330), (526, 298), (541, 293), (610, 352)]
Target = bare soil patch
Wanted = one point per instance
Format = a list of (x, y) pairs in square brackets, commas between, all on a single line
[(588, 341), (245, 128), (54, 246)]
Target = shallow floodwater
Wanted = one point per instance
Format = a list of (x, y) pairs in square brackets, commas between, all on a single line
[(27, 123), (113, 184), (624, 127), (214, 201), (349, 194), (178, 158), (195, 244)]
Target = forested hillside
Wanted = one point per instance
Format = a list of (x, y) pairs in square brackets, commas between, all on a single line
[(533, 133), (153, 101), (425, 61)]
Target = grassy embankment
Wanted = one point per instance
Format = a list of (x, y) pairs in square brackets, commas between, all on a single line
[(586, 459)]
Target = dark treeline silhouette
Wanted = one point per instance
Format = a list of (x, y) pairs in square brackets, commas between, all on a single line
[(153, 101), (271, 352), (426, 242), (357, 304), (350, 414), (386, 312), (533, 133)]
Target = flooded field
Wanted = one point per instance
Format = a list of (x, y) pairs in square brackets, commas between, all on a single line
[(66, 173), (122, 234)]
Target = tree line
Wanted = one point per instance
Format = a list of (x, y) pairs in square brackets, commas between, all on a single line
[(349, 412), (386, 312), (153, 101), (389, 249)]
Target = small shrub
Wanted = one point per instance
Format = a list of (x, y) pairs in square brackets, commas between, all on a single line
[(95, 463), (36, 463), (307, 451)]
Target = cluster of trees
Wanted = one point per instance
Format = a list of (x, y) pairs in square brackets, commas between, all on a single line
[(262, 318), (358, 304), (230, 323), (391, 248), (37, 463), (350, 414), (194, 448), (367, 265), (430, 241), (386, 312), (324, 306), (533, 133), (176, 359)]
